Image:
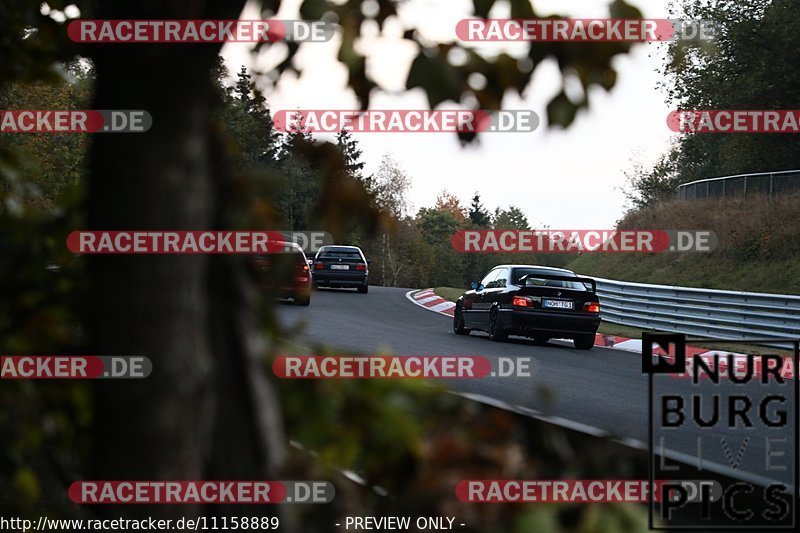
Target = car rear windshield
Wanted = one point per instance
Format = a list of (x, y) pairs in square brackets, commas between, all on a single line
[(534, 281), (340, 254)]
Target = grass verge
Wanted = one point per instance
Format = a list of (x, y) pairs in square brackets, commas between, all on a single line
[(449, 293), (758, 246)]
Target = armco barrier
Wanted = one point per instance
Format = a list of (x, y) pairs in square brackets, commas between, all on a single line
[(742, 185), (701, 312)]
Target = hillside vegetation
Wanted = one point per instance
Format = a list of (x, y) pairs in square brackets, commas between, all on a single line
[(759, 246)]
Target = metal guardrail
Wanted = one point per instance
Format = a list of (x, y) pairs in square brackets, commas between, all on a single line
[(742, 185), (702, 312)]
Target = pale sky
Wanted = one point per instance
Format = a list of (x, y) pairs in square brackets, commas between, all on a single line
[(568, 179)]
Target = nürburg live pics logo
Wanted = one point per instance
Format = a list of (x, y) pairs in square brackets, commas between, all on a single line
[(723, 421)]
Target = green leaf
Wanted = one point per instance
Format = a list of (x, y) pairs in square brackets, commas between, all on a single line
[(482, 7), (561, 111), (619, 9), (437, 77), (314, 9), (522, 9)]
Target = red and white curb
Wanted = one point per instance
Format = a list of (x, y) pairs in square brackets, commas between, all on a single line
[(433, 302)]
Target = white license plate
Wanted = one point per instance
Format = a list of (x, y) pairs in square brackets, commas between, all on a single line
[(557, 304), (340, 267)]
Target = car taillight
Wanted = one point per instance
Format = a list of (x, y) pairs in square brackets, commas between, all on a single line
[(591, 307), (319, 266), (305, 268), (361, 267), (522, 301)]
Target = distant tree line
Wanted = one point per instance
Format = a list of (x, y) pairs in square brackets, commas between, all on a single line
[(408, 249)]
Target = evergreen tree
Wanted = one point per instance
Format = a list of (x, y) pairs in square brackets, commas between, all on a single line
[(248, 118), (300, 181), (511, 218), (478, 215), (351, 152), (243, 85)]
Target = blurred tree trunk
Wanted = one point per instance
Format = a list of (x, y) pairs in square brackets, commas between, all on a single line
[(207, 411)]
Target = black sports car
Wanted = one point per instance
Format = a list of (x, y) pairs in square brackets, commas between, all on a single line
[(531, 301)]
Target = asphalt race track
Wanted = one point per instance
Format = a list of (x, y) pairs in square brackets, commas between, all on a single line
[(589, 390)]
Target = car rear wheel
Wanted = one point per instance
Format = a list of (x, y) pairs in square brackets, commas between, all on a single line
[(302, 300), (363, 289), (540, 341), (496, 333), (584, 342), (458, 322)]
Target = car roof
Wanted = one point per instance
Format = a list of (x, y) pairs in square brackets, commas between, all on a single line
[(288, 248), (537, 267), (293, 245), (339, 248)]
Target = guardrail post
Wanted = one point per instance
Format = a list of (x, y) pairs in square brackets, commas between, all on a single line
[(745, 187), (770, 184)]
